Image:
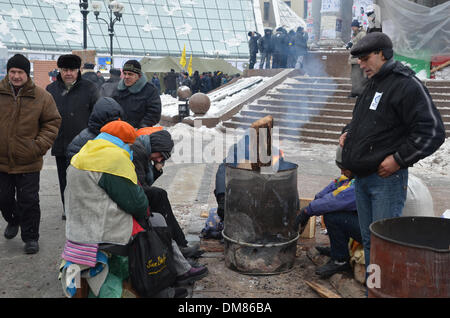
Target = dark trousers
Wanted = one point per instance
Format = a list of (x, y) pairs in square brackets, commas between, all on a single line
[(252, 61), (62, 164), (341, 226), (19, 202), (159, 202)]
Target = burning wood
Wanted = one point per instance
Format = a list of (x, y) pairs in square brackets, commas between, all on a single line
[(261, 141)]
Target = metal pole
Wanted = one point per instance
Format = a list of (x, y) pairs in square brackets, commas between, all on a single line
[(85, 13)]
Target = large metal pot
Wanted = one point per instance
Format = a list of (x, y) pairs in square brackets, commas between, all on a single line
[(260, 211), (413, 257)]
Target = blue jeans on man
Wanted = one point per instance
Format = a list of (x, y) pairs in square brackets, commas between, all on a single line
[(379, 198)]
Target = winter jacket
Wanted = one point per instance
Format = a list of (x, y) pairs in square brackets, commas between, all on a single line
[(105, 110), (102, 195), (339, 195), (301, 42), (253, 43), (75, 107), (29, 124), (170, 81), (145, 171), (395, 115), (265, 42), (91, 75), (141, 102), (107, 89), (157, 84), (280, 42)]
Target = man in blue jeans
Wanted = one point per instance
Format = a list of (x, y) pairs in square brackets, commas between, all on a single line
[(394, 125)]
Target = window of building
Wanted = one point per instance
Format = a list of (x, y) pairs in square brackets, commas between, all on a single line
[(288, 3), (266, 10)]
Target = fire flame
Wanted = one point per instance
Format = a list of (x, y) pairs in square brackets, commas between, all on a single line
[(276, 158)]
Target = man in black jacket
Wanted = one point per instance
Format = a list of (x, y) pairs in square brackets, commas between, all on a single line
[(75, 97), (265, 48), (139, 98), (395, 124), (253, 47)]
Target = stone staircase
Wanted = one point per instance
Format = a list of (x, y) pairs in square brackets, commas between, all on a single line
[(316, 109)]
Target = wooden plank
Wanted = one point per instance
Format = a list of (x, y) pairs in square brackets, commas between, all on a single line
[(322, 291)]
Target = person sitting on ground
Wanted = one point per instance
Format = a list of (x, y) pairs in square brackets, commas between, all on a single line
[(151, 149), (337, 203)]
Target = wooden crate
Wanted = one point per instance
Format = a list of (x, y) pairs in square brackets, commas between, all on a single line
[(310, 230)]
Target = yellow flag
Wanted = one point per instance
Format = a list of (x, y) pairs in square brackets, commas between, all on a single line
[(190, 66), (183, 57)]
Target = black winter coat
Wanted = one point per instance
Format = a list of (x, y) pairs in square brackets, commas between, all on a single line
[(75, 107), (265, 43), (92, 76), (394, 115), (107, 89), (105, 110), (141, 102), (253, 43), (145, 171)]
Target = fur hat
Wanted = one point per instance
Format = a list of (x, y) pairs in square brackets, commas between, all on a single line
[(70, 61), (132, 66), (120, 129), (373, 42), (19, 61)]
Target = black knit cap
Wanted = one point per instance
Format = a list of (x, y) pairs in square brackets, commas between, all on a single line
[(19, 61), (373, 42), (88, 66), (70, 61), (115, 71), (161, 141), (132, 66)]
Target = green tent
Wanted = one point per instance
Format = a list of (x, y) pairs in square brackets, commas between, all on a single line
[(165, 64)]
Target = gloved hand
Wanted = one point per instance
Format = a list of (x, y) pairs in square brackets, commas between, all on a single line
[(301, 220), (349, 45)]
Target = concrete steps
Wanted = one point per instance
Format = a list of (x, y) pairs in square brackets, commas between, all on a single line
[(316, 109)]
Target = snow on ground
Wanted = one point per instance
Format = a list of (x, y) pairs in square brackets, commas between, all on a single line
[(221, 99), (436, 165)]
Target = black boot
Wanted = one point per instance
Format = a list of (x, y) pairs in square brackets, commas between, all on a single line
[(11, 231), (331, 268)]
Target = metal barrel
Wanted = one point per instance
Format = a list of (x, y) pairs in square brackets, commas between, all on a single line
[(260, 211), (412, 255)]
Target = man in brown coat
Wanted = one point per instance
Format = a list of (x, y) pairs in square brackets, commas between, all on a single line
[(29, 123)]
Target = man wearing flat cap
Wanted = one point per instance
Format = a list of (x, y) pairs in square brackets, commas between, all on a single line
[(29, 123), (75, 98), (138, 97), (395, 124)]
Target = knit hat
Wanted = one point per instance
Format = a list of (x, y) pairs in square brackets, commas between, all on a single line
[(372, 42), (132, 66), (355, 23), (70, 61), (88, 66), (161, 141), (115, 71), (148, 130), (19, 61), (120, 129)]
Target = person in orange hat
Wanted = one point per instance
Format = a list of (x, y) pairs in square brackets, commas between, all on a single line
[(103, 197)]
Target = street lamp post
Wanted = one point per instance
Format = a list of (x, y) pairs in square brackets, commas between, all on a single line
[(114, 11), (84, 11)]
